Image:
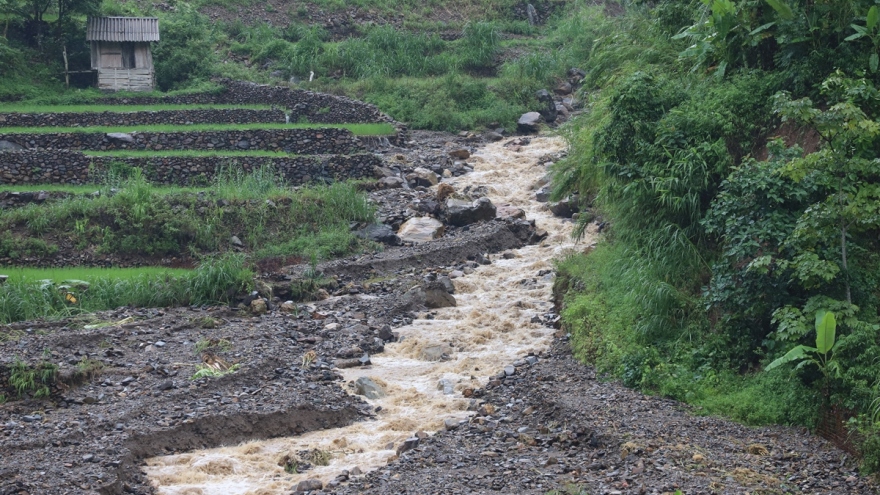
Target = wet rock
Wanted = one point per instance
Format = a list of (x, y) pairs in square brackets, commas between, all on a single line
[(565, 208), (494, 136), (451, 424), (447, 284), (423, 177), (542, 195), (509, 212), (547, 105), (369, 389), (288, 307), (308, 486), (509, 370), (446, 386), (461, 213), (436, 296), (529, 122), (407, 445), (390, 183), (386, 334), (460, 154), (420, 229), (379, 233)]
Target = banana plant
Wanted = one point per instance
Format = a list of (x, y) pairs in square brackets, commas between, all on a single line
[(871, 30), (822, 355)]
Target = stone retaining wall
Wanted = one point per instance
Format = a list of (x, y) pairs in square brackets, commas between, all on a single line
[(159, 117), (299, 141), (72, 167), (299, 103)]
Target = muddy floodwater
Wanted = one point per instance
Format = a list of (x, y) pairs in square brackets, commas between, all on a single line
[(492, 325)]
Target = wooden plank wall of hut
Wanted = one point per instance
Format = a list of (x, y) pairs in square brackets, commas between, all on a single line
[(125, 79)]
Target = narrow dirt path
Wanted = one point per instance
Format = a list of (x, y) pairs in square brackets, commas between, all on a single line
[(497, 320)]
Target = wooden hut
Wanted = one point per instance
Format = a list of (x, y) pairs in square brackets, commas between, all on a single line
[(121, 51)]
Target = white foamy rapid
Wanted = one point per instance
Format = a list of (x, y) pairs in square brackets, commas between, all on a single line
[(489, 328)]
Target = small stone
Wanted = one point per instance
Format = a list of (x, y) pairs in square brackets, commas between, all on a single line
[(461, 154), (364, 360), (88, 458), (509, 370), (235, 241), (446, 386), (386, 334), (288, 307), (159, 343), (451, 424)]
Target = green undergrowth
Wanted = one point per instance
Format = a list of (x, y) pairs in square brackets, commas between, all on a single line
[(38, 108), (602, 310), (131, 216), (731, 150), (71, 291), (356, 129)]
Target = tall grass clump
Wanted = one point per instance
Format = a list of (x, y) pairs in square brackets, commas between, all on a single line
[(217, 280)]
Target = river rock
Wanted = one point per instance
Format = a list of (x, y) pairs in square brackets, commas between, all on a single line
[(423, 177), (438, 297), (548, 106), (408, 444), (308, 486), (461, 154), (420, 229), (368, 388), (379, 233), (564, 88), (507, 211), (446, 386), (461, 213), (565, 208), (529, 122), (390, 183)]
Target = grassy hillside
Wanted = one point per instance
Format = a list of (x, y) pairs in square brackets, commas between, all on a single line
[(437, 65)]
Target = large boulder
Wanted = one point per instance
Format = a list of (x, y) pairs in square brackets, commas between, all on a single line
[(529, 122), (10, 146), (547, 107), (420, 229), (565, 208), (461, 213), (379, 233)]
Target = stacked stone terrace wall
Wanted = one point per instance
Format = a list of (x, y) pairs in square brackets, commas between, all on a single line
[(159, 117), (300, 104), (72, 167), (299, 141)]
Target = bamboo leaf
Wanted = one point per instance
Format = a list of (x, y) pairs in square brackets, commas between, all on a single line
[(873, 17), (874, 61), (826, 328)]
